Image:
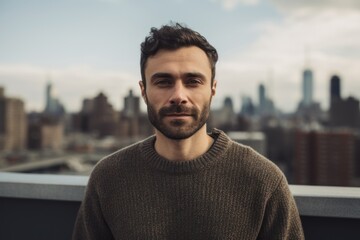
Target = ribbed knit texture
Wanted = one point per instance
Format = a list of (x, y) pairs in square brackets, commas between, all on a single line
[(230, 192)]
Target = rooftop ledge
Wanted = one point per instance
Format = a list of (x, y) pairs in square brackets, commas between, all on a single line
[(316, 201)]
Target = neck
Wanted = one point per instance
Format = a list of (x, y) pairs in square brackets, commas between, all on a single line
[(184, 149)]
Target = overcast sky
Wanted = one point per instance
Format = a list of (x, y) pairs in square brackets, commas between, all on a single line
[(87, 46)]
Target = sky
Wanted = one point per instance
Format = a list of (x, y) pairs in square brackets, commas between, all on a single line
[(84, 47)]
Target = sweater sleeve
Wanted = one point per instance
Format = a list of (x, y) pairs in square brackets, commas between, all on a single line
[(90, 223), (281, 219)]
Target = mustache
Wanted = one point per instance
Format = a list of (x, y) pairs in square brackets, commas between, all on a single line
[(177, 109)]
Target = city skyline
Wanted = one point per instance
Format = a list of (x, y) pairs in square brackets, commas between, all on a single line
[(90, 46), (261, 101)]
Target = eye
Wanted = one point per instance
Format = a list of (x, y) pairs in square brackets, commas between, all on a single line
[(163, 82), (193, 82)]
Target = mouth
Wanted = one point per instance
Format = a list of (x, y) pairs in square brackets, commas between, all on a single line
[(178, 115)]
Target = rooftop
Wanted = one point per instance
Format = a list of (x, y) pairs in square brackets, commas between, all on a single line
[(44, 206)]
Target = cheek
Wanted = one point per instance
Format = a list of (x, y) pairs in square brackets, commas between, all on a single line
[(156, 97), (154, 100), (202, 99)]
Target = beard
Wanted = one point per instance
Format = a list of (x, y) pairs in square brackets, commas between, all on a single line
[(178, 129)]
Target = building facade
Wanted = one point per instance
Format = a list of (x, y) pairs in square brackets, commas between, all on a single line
[(324, 157), (13, 123)]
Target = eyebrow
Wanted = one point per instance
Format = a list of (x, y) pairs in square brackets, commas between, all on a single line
[(160, 75), (195, 74), (168, 75)]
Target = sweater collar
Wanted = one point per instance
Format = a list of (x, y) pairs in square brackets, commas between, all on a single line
[(218, 148)]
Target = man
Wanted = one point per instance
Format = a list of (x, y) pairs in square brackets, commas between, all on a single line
[(183, 183)]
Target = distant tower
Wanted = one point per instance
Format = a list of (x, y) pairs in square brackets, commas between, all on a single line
[(49, 96), (307, 87), (262, 96), (53, 106), (131, 105), (266, 105), (228, 103), (335, 89), (247, 106), (131, 124)]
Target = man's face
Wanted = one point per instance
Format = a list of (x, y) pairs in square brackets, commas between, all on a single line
[(178, 91)]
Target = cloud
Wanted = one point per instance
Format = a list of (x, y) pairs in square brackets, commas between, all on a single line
[(328, 42), (72, 84), (306, 6), (291, 6), (232, 4)]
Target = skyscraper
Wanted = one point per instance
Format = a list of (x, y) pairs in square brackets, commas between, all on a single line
[(266, 105), (343, 112), (53, 107), (335, 89), (262, 96), (247, 106), (307, 87)]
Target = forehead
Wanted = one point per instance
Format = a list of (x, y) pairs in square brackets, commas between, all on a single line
[(185, 59)]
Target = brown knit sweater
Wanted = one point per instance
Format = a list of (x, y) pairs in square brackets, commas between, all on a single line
[(230, 192)]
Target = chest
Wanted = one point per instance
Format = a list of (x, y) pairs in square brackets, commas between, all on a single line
[(183, 207)]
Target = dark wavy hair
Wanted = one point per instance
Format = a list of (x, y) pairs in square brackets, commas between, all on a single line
[(172, 37)]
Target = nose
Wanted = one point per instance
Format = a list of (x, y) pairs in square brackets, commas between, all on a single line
[(178, 94)]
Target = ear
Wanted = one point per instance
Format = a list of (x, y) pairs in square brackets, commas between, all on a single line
[(143, 91), (213, 88)]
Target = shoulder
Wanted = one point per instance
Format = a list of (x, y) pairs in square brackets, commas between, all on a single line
[(255, 167), (120, 161)]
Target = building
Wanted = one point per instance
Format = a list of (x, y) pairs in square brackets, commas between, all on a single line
[(308, 110), (357, 159), (46, 129), (13, 123), (225, 117), (132, 123), (307, 87), (280, 147), (98, 117), (266, 106), (45, 133), (247, 106), (103, 117), (345, 113), (324, 157), (335, 89), (53, 106)]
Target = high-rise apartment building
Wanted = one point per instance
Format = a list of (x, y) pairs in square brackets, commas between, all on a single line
[(13, 123), (324, 157)]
